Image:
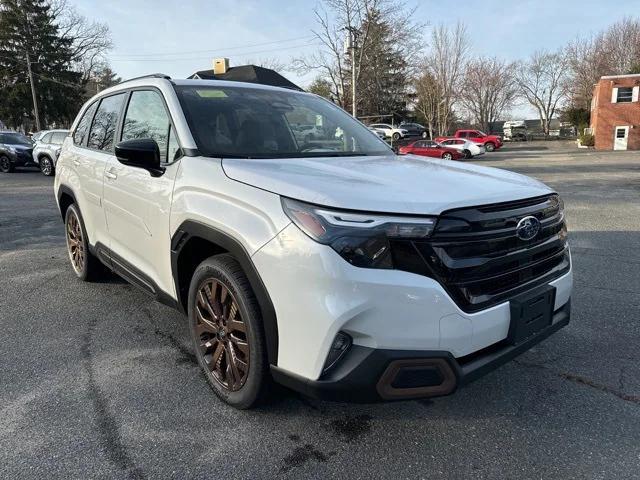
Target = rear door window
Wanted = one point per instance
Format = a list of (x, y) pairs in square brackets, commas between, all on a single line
[(105, 122)]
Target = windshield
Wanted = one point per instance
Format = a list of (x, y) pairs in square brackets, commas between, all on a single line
[(260, 123), (16, 139)]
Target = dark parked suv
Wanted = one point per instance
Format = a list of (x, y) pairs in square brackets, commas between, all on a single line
[(414, 129), (16, 150)]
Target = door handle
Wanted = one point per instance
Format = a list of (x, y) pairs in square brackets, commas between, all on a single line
[(110, 175)]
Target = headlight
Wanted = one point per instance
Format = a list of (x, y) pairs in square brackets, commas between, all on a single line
[(360, 238), (11, 149)]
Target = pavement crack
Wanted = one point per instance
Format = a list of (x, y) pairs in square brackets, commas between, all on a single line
[(186, 355), (108, 430), (581, 380)]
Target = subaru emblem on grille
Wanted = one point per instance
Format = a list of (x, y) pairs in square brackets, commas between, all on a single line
[(528, 228)]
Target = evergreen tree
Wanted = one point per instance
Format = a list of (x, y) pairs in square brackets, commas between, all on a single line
[(28, 31), (383, 78)]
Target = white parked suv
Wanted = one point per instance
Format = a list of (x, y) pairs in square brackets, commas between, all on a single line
[(396, 133), (47, 148), (335, 267)]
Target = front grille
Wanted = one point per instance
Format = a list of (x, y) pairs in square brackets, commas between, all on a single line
[(475, 255)]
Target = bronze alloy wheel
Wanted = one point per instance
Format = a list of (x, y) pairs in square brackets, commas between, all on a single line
[(222, 334), (75, 243)]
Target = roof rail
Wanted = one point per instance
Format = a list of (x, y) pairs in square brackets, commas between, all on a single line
[(151, 75)]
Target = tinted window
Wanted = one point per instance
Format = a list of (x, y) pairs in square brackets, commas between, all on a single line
[(265, 123), (58, 138), (625, 95), (16, 139), (82, 129), (146, 117), (104, 124)]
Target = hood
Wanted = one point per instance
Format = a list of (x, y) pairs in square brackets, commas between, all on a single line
[(19, 146), (389, 184)]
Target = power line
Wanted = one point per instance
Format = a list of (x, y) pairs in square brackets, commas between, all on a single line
[(220, 52), (163, 54), (43, 77)]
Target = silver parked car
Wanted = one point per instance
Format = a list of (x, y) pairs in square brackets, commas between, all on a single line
[(46, 150)]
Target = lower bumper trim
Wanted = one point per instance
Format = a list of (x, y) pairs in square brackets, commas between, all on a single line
[(368, 375)]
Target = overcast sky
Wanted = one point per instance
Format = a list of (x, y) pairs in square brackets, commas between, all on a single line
[(180, 37)]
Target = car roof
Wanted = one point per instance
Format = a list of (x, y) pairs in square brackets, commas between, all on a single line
[(152, 81)]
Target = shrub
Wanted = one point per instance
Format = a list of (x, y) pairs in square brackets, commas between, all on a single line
[(587, 140)]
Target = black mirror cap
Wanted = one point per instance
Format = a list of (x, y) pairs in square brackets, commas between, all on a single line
[(140, 153)]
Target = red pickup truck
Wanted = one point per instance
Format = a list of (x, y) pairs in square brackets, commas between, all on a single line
[(490, 142)]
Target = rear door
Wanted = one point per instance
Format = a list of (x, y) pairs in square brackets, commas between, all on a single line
[(137, 205), (621, 138)]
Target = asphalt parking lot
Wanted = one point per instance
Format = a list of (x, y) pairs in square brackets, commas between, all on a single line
[(98, 381)]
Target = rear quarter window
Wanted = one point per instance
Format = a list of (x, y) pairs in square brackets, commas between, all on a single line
[(82, 130)]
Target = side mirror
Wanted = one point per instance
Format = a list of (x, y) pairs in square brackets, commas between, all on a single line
[(140, 153)]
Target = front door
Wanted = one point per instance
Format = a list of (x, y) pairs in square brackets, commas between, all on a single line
[(137, 205), (621, 138)]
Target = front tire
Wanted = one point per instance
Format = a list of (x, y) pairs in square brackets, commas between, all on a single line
[(46, 166), (467, 154), (85, 265), (5, 164), (489, 147), (396, 136), (227, 333)]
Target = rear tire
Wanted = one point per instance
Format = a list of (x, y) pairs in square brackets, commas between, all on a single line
[(5, 164), (46, 166), (447, 156), (85, 265), (227, 332)]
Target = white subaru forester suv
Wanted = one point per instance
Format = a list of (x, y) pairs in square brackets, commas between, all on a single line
[(333, 267)]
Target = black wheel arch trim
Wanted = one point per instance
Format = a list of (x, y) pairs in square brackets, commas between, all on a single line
[(193, 229), (62, 190)]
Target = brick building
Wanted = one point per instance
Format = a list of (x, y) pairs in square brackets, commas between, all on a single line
[(615, 113)]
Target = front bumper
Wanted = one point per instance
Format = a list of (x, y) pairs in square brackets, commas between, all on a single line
[(22, 158), (316, 294), (372, 375)]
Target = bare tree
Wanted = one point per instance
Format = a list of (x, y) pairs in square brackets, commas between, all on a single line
[(449, 49), (90, 40), (543, 83), (489, 88), (268, 62), (336, 21), (614, 51), (622, 44), (428, 96)]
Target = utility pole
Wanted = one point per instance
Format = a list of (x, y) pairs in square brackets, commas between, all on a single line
[(33, 93), (353, 38)]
